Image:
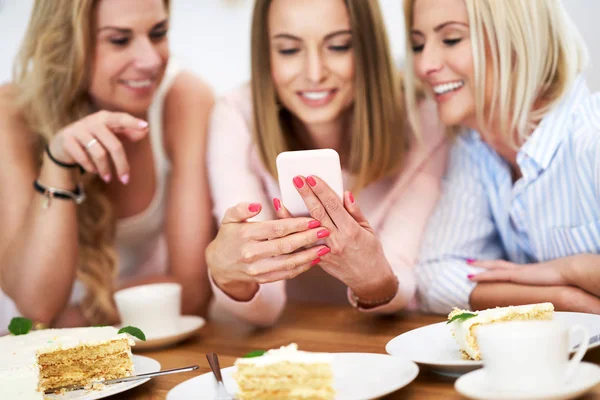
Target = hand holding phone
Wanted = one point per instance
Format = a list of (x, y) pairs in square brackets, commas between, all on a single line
[(324, 163)]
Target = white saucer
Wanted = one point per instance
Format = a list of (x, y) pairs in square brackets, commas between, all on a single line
[(187, 326), (357, 376), (473, 385), (433, 346)]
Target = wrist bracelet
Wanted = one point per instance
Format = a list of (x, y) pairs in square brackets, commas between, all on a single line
[(77, 195), (58, 162), (373, 303)]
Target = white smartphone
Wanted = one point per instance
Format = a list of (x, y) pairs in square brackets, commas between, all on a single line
[(323, 163)]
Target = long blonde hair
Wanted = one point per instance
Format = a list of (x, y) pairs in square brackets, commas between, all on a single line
[(535, 52), (51, 73), (378, 141)]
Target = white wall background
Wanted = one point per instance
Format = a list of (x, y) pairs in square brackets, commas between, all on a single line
[(211, 37)]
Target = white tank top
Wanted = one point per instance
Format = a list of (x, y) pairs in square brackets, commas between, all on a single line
[(140, 239)]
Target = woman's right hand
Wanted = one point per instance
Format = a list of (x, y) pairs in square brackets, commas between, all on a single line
[(93, 143), (246, 254)]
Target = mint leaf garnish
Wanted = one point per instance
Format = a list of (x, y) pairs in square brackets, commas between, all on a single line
[(255, 353), (20, 326), (133, 331), (462, 317)]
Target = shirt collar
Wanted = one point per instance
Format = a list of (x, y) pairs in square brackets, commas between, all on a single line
[(545, 140)]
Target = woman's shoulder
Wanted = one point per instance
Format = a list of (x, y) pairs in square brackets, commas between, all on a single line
[(238, 99), (190, 91), (11, 115)]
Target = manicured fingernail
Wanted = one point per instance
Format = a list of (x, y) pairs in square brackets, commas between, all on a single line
[(298, 182), (351, 197), (314, 224), (276, 204), (254, 207), (323, 233), (143, 124), (315, 261), (470, 261), (470, 276), (323, 251), (106, 178), (311, 181), (125, 179)]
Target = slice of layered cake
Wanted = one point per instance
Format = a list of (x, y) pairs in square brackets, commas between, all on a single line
[(463, 323), (285, 374), (44, 360)]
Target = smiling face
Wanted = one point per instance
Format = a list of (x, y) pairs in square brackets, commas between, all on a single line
[(443, 58), (312, 61), (130, 55)]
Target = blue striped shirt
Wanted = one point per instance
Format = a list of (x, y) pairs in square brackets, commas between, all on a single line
[(553, 211)]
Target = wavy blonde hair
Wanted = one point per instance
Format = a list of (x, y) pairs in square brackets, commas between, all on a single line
[(378, 141), (535, 50), (52, 74)]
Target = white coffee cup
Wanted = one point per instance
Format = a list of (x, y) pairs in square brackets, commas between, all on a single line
[(529, 355), (153, 308)]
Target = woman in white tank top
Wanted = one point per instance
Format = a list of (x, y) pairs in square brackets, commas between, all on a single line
[(136, 125)]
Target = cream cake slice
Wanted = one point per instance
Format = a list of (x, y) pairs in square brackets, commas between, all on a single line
[(285, 374), (464, 332), (44, 360)]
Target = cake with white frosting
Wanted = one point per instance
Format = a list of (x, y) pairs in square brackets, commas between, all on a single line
[(463, 323), (44, 360), (285, 374)]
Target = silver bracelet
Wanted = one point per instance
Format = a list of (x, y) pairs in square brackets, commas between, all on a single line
[(49, 193)]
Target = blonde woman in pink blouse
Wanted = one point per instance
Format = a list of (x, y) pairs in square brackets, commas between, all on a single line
[(322, 77)]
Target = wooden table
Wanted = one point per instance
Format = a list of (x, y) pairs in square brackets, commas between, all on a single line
[(314, 328)]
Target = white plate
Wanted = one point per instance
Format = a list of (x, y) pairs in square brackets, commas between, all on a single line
[(356, 376), (187, 326), (141, 365), (433, 346), (473, 385)]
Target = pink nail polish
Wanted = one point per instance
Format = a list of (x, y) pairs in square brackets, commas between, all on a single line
[(106, 178), (323, 233), (323, 251), (254, 207), (470, 276), (311, 181), (314, 224), (351, 197), (276, 204), (125, 179), (143, 124), (315, 261), (470, 261), (298, 182)]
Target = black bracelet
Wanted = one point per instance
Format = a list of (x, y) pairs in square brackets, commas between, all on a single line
[(49, 193), (59, 163)]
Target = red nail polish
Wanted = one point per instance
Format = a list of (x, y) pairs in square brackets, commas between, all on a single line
[(323, 233), (323, 251), (276, 204), (254, 207), (470, 261), (315, 261), (351, 197), (298, 182), (311, 181), (470, 276), (314, 224)]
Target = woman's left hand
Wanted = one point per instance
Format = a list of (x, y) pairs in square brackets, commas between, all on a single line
[(549, 273), (354, 254)]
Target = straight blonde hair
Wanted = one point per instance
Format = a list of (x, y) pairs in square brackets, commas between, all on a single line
[(378, 141), (535, 52), (51, 74)]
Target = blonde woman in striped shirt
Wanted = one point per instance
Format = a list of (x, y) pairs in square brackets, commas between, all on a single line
[(523, 186)]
